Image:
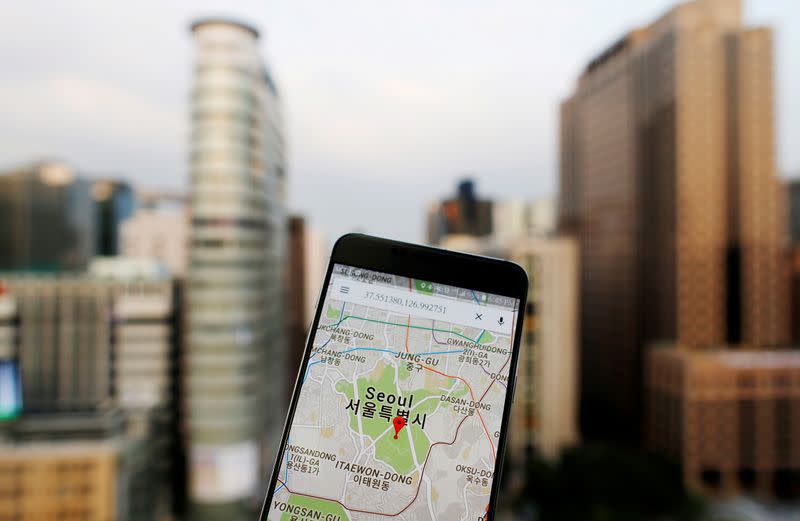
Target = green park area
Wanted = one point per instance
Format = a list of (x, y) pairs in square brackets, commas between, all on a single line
[(333, 313), (329, 509), (394, 452)]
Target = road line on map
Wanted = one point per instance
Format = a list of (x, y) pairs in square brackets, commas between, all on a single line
[(408, 328), (472, 395), (475, 297), (341, 319), (408, 324)]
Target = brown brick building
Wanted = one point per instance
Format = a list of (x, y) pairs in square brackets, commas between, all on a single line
[(668, 181), (75, 480), (731, 417)]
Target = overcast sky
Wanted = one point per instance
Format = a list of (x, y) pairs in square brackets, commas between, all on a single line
[(387, 103)]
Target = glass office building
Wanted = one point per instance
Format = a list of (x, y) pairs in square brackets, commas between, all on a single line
[(47, 219), (236, 387)]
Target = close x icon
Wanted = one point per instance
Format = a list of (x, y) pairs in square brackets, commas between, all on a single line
[(478, 316)]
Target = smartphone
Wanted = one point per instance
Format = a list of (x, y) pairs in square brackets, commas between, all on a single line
[(402, 400)]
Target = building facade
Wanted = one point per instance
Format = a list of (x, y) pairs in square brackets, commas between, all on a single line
[(236, 359), (668, 181), (97, 481), (792, 191), (306, 266), (92, 431), (544, 417), (158, 230), (65, 349), (146, 340), (732, 418)]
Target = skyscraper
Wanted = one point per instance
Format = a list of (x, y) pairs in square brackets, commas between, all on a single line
[(463, 214), (52, 218), (236, 359), (114, 202), (668, 181)]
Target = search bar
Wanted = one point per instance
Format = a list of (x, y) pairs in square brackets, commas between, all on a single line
[(419, 305)]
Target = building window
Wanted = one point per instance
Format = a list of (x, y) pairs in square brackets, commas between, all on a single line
[(747, 478), (711, 478)]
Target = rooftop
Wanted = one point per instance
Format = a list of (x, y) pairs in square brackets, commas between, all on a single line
[(214, 20), (735, 357)]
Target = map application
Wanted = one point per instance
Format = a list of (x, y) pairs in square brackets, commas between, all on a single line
[(400, 405)]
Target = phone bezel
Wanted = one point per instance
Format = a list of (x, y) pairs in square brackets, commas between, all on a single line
[(431, 264)]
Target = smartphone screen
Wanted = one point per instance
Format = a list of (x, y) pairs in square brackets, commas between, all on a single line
[(401, 402)]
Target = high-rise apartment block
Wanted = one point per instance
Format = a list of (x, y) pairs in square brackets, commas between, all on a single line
[(236, 359), (544, 417), (668, 180)]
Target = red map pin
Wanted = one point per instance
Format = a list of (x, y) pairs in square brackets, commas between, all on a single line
[(399, 423)]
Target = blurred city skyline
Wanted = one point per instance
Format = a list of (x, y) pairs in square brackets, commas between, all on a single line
[(377, 102), (173, 175)]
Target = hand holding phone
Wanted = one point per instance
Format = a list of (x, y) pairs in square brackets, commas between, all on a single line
[(402, 401)]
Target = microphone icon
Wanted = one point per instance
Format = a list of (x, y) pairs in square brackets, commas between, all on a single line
[(501, 321)]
